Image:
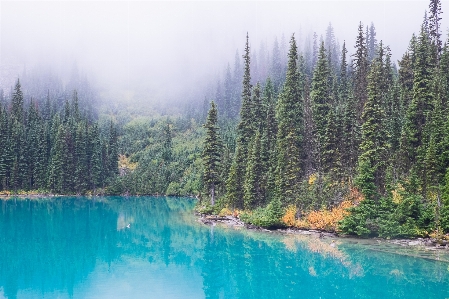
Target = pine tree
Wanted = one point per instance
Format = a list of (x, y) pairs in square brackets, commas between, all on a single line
[(435, 27), (371, 42), (320, 98), (268, 143), (290, 130), (81, 158), (371, 172), (56, 166), (406, 67), (237, 87), (276, 67), (5, 149), (234, 183), (421, 104), (42, 157), (112, 165), (332, 49), (343, 86), (257, 110), (360, 72), (32, 143), (331, 159), (228, 94), (96, 163), (211, 155), (17, 103), (314, 51), (253, 175)]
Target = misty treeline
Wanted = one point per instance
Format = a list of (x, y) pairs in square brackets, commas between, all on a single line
[(52, 143), (345, 122)]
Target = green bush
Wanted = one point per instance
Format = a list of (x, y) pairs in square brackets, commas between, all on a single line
[(269, 217), (360, 221), (387, 219)]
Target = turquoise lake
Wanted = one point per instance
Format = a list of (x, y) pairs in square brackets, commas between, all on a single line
[(153, 247)]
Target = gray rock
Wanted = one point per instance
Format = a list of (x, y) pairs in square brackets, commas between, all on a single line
[(415, 243)]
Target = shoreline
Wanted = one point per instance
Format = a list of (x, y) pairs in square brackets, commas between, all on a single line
[(39, 195), (429, 244)]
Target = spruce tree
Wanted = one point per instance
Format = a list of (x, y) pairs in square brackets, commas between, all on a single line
[(276, 67), (5, 149), (228, 94), (96, 163), (112, 164), (371, 171), (320, 100), (290, 129), (360, 72), (253, 175), (245, 131), (211, 155), (56, 166), (371, 42), (268, 142), (421, 104), (435, 27), (81, 158)]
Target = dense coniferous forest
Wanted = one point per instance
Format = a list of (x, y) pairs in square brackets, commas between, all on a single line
[(312, 135), (336, 125), (54, 147)]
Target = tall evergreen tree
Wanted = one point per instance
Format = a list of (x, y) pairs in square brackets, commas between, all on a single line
[(371, 172), (371, 42), (253, 175), (290, 130), (234, 183), (276, 66), (212, 153), (268, 142), (360, 72), (320, 98), (435, 27), (421, 104)]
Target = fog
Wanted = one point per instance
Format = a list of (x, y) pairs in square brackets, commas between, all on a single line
[(160, 51)]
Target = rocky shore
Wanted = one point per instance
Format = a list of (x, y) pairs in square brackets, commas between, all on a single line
[(423, 243)]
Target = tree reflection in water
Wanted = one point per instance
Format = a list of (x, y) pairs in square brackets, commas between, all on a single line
[(54, 245)]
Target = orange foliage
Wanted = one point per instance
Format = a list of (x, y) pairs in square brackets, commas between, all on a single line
[(328, 220), (289, 216), (321, 220)]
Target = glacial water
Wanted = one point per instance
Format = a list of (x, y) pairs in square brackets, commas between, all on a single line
[(153, 247)]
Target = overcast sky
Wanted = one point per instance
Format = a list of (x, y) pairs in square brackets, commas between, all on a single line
[(166, 47)]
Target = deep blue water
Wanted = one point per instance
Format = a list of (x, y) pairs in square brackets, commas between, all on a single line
[(83, 248)]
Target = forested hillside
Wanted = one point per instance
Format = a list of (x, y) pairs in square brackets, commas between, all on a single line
[(348, 125)]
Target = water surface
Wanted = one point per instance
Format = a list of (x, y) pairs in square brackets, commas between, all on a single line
[(152, 247)]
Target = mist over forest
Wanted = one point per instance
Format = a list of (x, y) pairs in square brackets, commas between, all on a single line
[(163, 52), (327, 115)]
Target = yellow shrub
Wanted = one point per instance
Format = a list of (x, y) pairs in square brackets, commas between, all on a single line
[(312, 178), (289, 216), (225, 212), (328, 220), (302, 224)]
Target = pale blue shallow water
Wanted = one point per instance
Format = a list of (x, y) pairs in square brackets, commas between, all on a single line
[(82, 248)]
